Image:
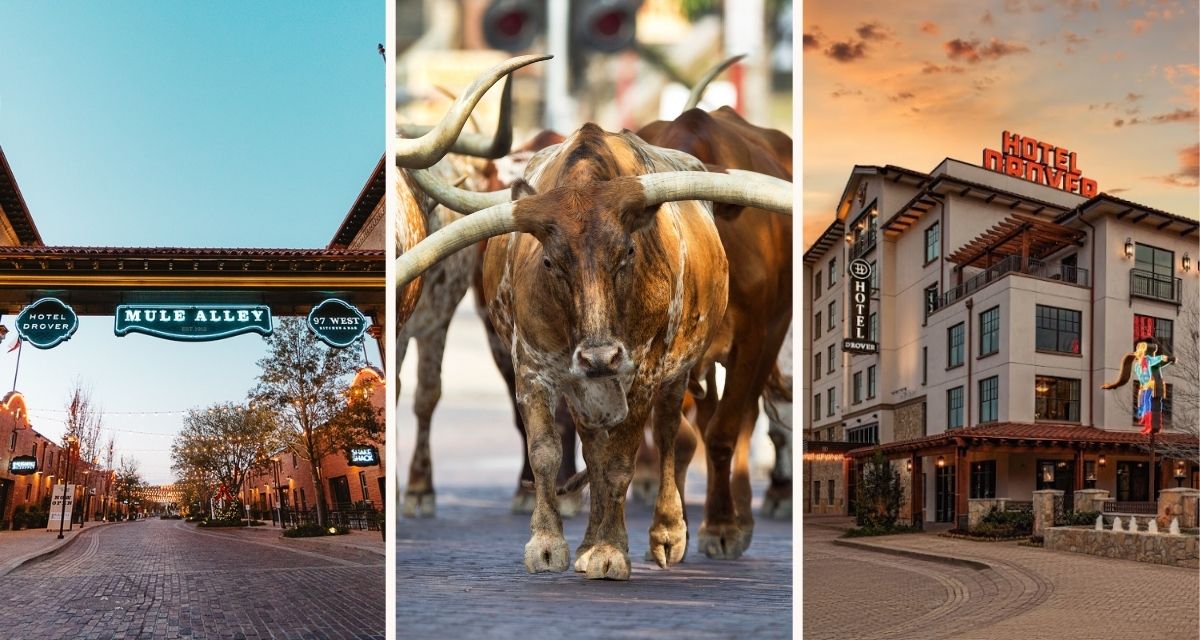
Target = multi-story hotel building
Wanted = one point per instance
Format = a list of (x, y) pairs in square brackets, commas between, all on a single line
[(997, 308)]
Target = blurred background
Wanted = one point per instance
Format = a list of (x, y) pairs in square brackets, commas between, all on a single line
[(618, 63)]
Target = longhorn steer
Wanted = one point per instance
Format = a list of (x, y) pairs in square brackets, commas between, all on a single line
[(607, 278)]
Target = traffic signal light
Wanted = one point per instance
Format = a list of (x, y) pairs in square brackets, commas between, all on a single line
[(511, 25)]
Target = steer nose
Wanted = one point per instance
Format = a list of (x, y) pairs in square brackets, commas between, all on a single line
[(600, 360)]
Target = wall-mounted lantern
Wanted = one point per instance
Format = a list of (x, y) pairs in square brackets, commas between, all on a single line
[(1187, 262), (1128, 247), (908, 466), (941, 461), (1102, 460)]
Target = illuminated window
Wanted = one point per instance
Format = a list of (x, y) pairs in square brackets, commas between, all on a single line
[(955, 339), (983, 479), (1056, 399), (989, 331), (1058, 330), (931, 298), (863, 435), (933, 243), (954, 408), (989, 399), (1161, 329)]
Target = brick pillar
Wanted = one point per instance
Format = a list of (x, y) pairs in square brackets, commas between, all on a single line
[(918, 491), (1043, 509)]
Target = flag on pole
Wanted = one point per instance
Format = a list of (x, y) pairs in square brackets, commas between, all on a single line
[(15, 345)]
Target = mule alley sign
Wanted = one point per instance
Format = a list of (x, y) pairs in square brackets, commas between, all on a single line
[(47, 322), (193, 322), (859, 340), (1040, 162), (337, 323)]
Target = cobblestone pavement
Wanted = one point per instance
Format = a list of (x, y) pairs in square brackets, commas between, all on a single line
[(1027, 593), (168, 579), (461, 575)]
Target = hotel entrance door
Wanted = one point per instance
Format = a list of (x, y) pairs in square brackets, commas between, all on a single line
[(945, 494), (1133, 481)]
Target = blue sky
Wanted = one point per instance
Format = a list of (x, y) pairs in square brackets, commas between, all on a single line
[(198, 124)]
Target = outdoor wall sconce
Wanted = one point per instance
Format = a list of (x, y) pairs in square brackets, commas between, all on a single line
[(1179, 473), (908, 466), (1103, 461), (1128, 247), (1187, 262), (941, 461)]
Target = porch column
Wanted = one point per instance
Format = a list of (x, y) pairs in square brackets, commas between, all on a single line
[(962, 478), (1078, 485), (917, 491)]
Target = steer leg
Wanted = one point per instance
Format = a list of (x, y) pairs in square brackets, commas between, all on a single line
[(419, 494), (547, 547), (777, 502), (604, 552), (668, 531)]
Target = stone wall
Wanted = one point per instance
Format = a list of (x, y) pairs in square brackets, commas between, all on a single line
[(1174, 550), (1045, 503), (910, 421), (1182, 503), (823, 471), (1090, 499)]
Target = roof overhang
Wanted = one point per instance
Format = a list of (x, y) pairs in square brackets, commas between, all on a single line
[(1025, 435), (829, 238), (1121, 209), (13, 211), (368, 200)]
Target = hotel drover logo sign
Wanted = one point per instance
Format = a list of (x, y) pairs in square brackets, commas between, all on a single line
[(47, 323)]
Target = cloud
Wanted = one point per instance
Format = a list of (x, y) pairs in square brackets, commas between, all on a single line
[(1073, 38), (902, 96), (1189, 169), (843, 91), (1073, 7), (1178, 115), (848, 51), (987, 18), (931, 68), (873, 31), (1134, 97), (1139, 26), (1017, 6), (929, 27), (811, 42), (973, 51)]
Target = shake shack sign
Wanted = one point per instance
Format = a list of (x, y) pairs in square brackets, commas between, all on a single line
[(193, 322), (337, 323), (22, 465), (46, 323), (859, 340)]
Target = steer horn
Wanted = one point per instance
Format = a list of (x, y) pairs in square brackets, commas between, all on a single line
[(743, 188), (702, 84), (455, 198), (435, 142)]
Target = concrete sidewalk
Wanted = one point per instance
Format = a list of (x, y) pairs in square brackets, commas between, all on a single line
[(19, 547), (361, 541)]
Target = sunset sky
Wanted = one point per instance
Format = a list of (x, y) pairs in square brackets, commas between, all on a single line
[(1115, 81)]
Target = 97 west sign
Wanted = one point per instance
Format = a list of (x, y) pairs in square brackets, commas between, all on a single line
[(858, 340)]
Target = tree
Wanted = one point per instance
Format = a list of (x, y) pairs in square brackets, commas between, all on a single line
[(84, 421), (1184, 378), (304, 381), (877, 504), (222, 443), (130, 488)]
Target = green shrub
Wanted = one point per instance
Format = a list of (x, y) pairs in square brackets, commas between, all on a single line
[(1079, 518), (863, 532), (1004, 524), (879, 495), (312, 530), (228, 523)]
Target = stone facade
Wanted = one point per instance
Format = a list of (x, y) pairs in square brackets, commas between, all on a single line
[(977, 508), (1161, 548), (1182, 503), (910, 421), (1090, 499), (824, 485), (1045, 503)]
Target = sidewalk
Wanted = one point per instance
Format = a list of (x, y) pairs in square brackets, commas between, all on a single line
[(361, 541), (19, 547)]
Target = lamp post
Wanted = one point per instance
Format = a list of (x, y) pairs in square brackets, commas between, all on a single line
[(62, 516), (86, 487), (278, 490)]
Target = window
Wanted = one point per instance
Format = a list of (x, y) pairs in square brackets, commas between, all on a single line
[(858, 376), (873, 327), (954, 408), (829, 357), (1058, 330), (832, 315), (1161, 329), (829, 403), (1153, 275), (362, 482), (816, 407), (817, 367), (874, 278), (863, 435), (983, 479), (832, 490), (817, 326), (989, 399), (871, 382), (989, 331), (817, 290), (1159, 262), (933, 243), (931, 298), (294, 462), (1056, 399), (924, 365), (28, 491), (833, 274), (816, 492), (955, 341)]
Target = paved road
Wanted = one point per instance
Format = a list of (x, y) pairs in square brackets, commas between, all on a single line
[(461, 575), (167, 579), (1028, 593)]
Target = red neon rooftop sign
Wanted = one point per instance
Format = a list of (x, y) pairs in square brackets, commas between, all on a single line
[(1039, 162)]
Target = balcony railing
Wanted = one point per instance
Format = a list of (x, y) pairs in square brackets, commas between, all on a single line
[(1012, 264), (863, 244), (1145, 284), (1130, 507)]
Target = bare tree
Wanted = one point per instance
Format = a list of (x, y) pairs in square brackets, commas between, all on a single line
[(224, 442), (85, 422), (1184, 377)]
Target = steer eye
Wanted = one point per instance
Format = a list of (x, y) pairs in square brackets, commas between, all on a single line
[(546, 263)]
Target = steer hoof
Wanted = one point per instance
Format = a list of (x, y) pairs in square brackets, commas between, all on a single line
[(546, 553), (605, 562), (419, 504), (668, 544), (776, 506), (522, 501), (724, 542)]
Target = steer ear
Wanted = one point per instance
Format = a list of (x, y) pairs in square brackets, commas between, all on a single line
[(520, 189), (629, 198)]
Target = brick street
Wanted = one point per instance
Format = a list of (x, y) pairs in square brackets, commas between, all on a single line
[(1030, 593), (168, 579), (461, 575)]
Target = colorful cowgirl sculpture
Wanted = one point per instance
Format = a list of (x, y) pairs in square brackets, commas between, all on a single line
[(1144, 363)]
